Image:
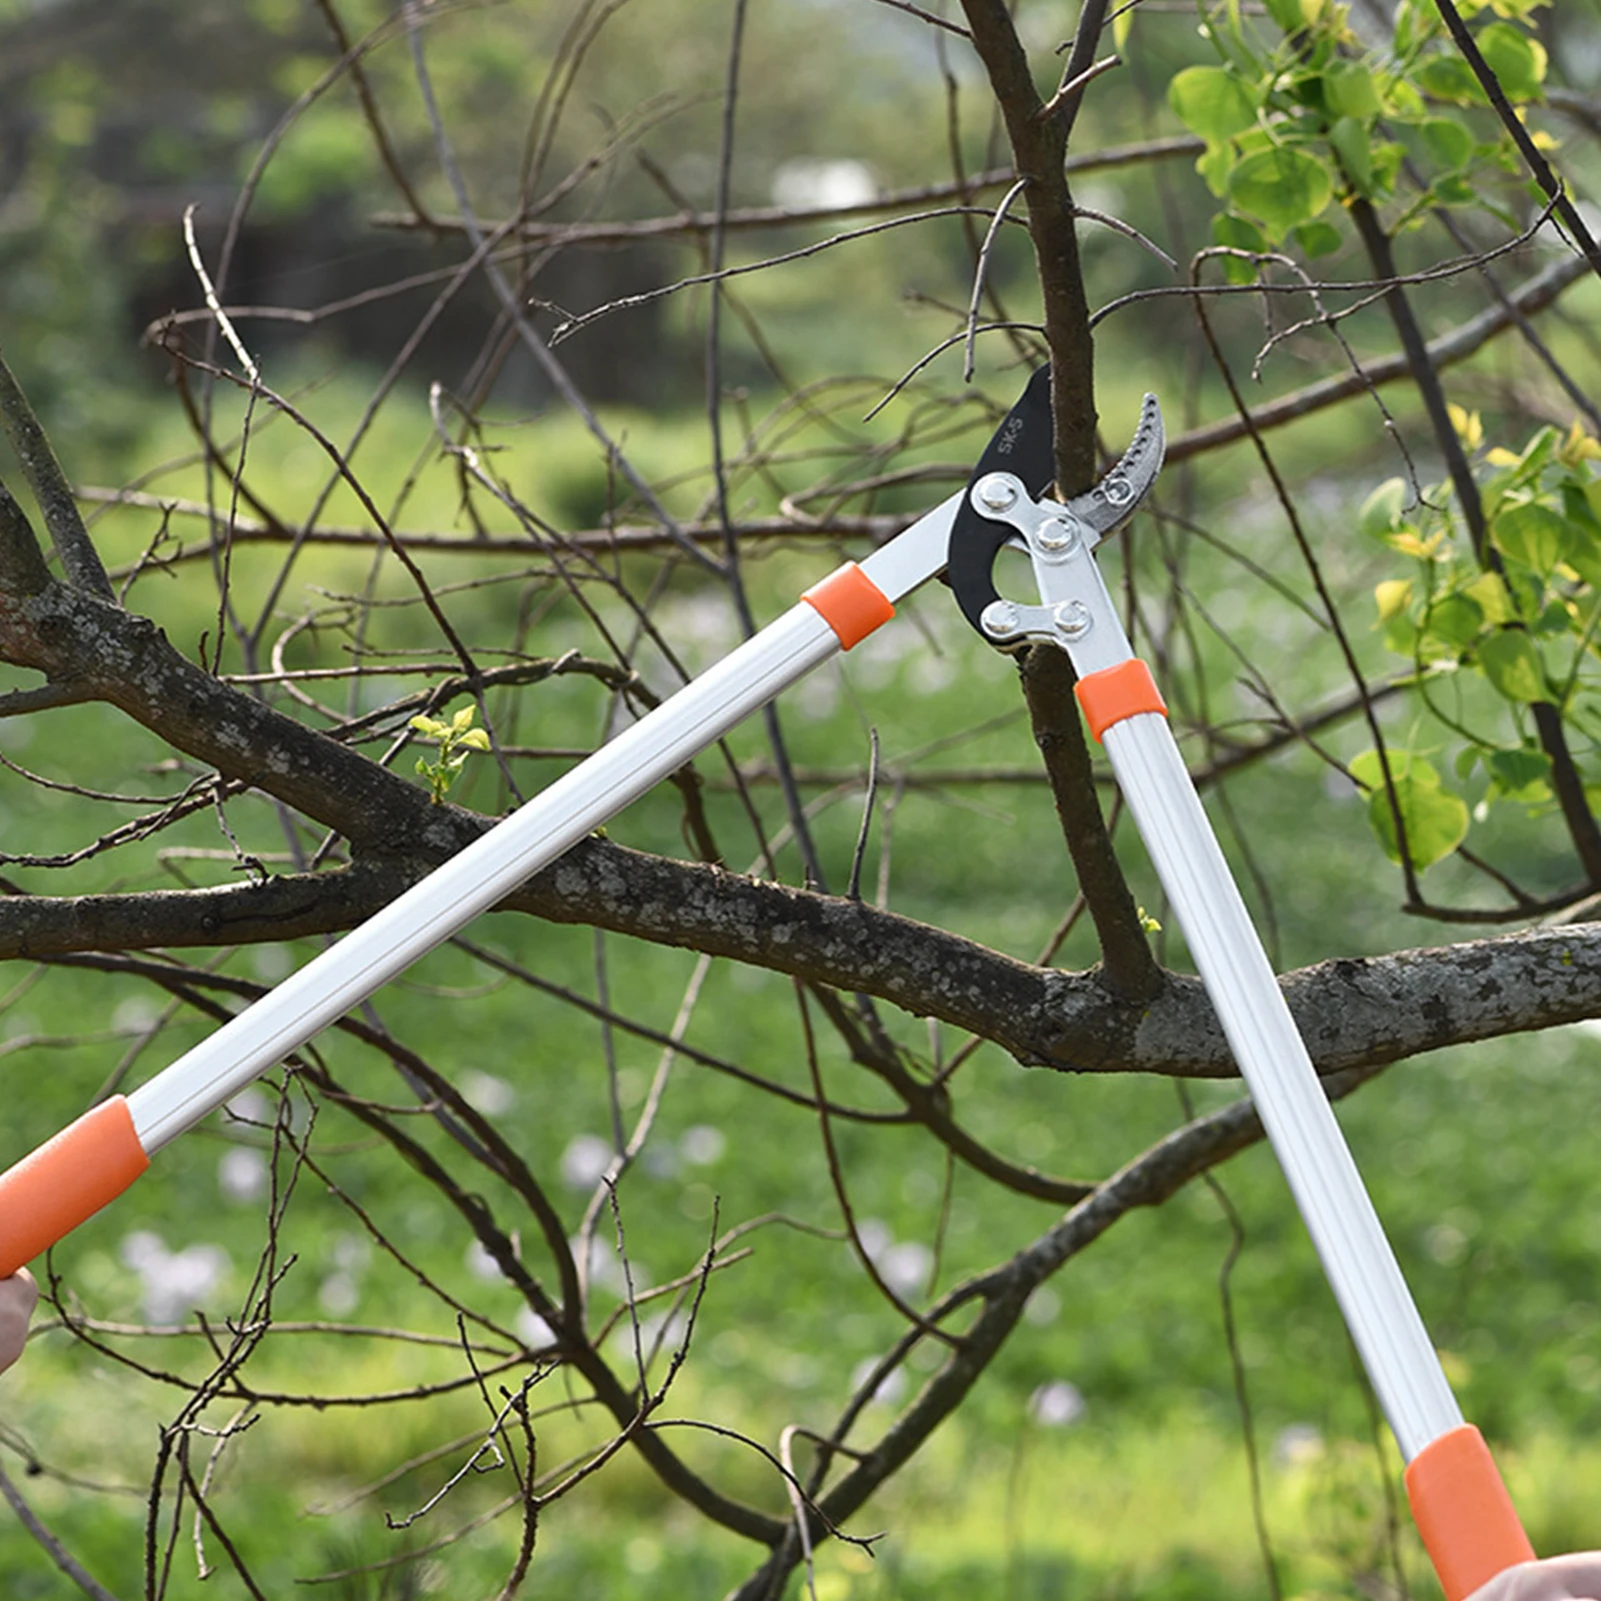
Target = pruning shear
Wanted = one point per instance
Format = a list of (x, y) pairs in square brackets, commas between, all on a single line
[(1461, 1506)]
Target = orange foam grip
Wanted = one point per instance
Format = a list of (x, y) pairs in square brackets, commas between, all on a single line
[(850, 603), (1469, 1526), (67, 1180), (1114, 693)]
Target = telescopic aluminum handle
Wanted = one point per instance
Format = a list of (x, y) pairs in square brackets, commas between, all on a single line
[(90, 1163), (1459, 1502)]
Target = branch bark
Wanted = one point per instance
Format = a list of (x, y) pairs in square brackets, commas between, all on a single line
[(1354, 1012)]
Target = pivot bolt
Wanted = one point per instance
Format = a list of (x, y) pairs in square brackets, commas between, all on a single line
[(1056, 534), (996, 491)]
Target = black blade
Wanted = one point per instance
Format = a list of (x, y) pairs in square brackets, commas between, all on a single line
[(1022, 445)]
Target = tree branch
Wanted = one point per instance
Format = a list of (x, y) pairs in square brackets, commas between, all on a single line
[(1353, 1012), (80, 561)]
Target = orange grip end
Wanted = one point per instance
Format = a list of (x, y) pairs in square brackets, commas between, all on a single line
[(850, 603), (67, 1180), (1464, 1513), (1114, 693)]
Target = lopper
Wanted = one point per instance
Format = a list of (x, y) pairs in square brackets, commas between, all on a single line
[(1461, 1506)]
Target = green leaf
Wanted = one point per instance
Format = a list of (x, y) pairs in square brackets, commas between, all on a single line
[(1288, 14), (1386, 156), (1448, 141), (463, 719), (1512, 664), (1214, 165), (1518, 61), (1532, 534), (1211, 102), (1490, 591), (1455, 619), (1350, 140), (1314, 239), (1348, 89), (1449, 78), (1281, 187), (1454, 190), (474, 739), (1519, 774)]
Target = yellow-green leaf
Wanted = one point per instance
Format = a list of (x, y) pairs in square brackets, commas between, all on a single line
[(1211, 102), (1348, 89), (1511, 663), (1435, 820), (1469, 425), (1518, 61), (1490, 592), (1381, 511), (1532, 534), (1391, 597)]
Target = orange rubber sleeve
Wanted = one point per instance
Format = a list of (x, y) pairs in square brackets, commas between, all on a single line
[(1118, 692), (67, 1180), (1464, 1513), (850, 603)]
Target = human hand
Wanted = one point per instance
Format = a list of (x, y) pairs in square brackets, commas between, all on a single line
[(1576, 1577), (17, 1297)]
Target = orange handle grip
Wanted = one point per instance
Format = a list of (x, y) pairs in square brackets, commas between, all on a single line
[(1464, 1513), (67, 1180)]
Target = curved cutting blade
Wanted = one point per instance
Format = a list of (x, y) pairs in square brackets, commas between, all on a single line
[(1023, 447)]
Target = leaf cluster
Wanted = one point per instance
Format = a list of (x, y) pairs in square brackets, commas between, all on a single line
[(1316, 114), (1519, 620)]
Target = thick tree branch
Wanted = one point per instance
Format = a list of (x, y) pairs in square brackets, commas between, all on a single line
[(1127, 966), (80, 561), (1039, 145), (23, 570), (1353, 1012), (123, 659), (1039, 142)]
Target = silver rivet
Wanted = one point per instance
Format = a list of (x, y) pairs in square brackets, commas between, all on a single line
[(1072, 619), (996, 491), (999, 618), (1118, 491)]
